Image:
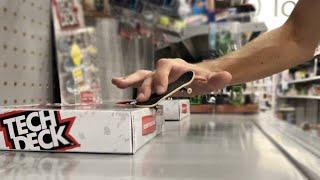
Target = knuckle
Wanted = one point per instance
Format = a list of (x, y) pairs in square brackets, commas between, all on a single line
[(156, 77), (180, 60), (144, 88), (162, 62)]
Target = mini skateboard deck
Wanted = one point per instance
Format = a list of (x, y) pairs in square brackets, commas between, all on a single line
[(179, 85)]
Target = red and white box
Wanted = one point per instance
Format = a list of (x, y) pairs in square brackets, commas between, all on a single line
[(93, 129), (176, 110)]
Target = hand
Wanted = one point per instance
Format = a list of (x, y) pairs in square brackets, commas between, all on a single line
[(169, 70)]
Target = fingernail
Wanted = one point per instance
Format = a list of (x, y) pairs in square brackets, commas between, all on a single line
[(140, 97), (161, 90)]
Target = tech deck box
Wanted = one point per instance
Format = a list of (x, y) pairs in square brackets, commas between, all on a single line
[(176, 110), (79, 128)]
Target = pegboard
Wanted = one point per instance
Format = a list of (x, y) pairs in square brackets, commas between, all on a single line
[(25, 52)]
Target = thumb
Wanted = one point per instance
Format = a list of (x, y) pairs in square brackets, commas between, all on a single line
[(218, 80)]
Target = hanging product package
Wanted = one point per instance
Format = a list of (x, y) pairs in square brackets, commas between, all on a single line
[(96, 8), (77, 55)]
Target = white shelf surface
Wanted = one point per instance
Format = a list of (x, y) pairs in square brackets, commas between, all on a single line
[(300, 97), (315, 78)]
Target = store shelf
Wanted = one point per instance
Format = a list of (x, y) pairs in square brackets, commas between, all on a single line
[(202, 108), (300, 97), (237, 109), (193, 31), (315, 78), (298, 144), (204, 147), (286, 109), (184, 34)]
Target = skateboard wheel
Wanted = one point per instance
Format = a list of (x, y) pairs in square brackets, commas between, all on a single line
[(189, 91)]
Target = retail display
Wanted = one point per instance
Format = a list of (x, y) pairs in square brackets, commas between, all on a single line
[(95, 8), (150, 13), (176, 109), (68, 14), (72, 126), (301, 80), (76, 55), (78, 68), (237, 97), (78, 128)]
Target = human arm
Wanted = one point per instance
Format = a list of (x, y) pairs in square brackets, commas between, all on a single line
[(285, 47)]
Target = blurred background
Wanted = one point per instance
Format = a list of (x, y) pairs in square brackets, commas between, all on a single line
[(67, 51)]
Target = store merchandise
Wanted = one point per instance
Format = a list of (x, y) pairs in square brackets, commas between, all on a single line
[(78, 128), (96, 7), (307, 89), (228, 3), (77, 54), (179, 85), (237, 97), (68, 15), (78, 67), (315, 90), (199, 99), (176, 109), (301, 74), (172, 8), (225, 37), (151, 15), (297, 90), (286, 113)]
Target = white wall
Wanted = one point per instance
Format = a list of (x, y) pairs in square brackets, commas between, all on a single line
[(273, 12)]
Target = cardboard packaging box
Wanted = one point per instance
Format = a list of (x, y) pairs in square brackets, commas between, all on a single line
[(176, 110), (93, 129)]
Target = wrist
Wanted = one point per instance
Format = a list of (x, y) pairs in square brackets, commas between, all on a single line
[(212, 65)]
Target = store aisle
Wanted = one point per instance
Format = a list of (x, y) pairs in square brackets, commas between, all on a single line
[(206, 147)]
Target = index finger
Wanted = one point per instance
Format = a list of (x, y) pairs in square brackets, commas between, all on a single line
[(161, 76), (132, 80)]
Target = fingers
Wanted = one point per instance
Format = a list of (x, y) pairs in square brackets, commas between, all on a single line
[(219, 80), (200, 78), (161, 76), (132, 79), (145, 90)]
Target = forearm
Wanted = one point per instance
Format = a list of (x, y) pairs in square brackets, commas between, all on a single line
[(270, 53)]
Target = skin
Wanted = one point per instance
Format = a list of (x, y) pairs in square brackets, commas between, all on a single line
[(287, 46)]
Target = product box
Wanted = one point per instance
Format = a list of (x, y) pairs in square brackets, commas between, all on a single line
[(176, 109), (94, 129)]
